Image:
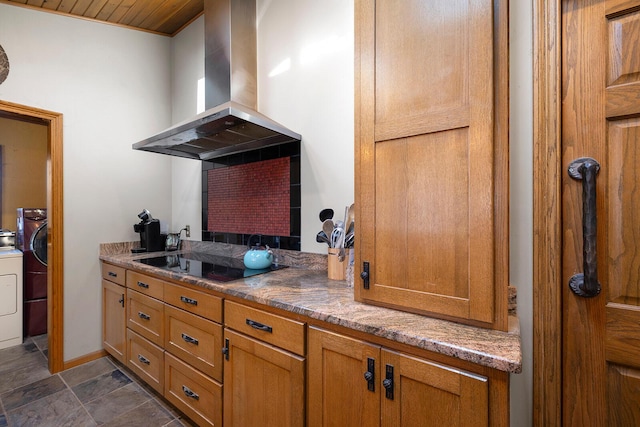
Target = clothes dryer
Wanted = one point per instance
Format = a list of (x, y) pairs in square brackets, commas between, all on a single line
[(31, 233)]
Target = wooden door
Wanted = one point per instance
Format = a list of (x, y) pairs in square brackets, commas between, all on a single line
[(339, 395), (425, 394), (601, 120), (114, 338), (263, 385), (430, 144)]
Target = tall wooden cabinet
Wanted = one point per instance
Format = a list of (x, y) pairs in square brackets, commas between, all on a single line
[(431, 157)]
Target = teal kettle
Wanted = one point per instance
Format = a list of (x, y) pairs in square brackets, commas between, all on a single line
[(258, 258)]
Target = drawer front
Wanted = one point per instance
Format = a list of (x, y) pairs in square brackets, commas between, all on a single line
[(113, 273), (145, 316), (146, 360), (277, 330), (196, 302), (194, 393), (145, 284), (195, 340)]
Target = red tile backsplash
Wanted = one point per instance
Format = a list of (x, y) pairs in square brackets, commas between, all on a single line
[(252, 198)]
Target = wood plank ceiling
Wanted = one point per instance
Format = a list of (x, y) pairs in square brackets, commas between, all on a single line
[(165, 17)]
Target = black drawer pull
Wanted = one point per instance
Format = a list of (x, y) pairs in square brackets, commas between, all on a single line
[(189, 300), (112, 274), (144, 316), (189, 339), (143, 285), (143, 359), (259, 326), (187, 391)]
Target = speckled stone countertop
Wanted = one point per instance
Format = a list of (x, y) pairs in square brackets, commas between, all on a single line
[(308, 292)]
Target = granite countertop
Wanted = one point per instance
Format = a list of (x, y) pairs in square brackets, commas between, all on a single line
[(308, 292)]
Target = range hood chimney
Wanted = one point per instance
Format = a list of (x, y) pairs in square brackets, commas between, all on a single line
[(230, 124)]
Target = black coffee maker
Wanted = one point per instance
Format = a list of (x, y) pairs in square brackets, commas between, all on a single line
[(150, 238)]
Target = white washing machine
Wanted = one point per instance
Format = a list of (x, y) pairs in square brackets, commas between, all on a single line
[(10, 297)]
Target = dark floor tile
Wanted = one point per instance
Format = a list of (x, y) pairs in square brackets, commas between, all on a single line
[(148, 414), (22, 376), (116, 403), (61, 409), (13, 357), (87, 371), (100, 385), (41, 341), (3, 421), (31, 392)]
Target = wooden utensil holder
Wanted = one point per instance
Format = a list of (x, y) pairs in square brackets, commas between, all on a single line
[(335, 268)]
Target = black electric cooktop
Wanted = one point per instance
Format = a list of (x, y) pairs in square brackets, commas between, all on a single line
[(207, 266)]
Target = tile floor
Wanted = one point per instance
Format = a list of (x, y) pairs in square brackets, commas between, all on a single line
[(98, 393)]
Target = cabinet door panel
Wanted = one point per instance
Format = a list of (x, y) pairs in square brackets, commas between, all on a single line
[(337, 389), (114, 318), (264, 385), (426, 193), (455, 397)]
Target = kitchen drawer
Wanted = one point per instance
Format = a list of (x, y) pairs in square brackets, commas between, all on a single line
[(194, 393), (146, 360), (113, 274), (196, 302), (271, 328), (195, 340), (145, 284), (145, 315)]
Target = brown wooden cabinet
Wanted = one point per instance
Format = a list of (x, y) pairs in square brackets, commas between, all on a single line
[(431, 158), (264, 385), (114, 312), (280, 371), (353, 383), (338, 392)]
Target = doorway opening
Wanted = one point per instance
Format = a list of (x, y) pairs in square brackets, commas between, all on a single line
[(55, 275)]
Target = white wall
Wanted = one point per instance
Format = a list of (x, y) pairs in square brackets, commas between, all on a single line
[(112, 86), (313, 97), (187, 69)]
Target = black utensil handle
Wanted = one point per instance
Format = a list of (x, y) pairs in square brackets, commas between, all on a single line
[(259, 326), (586, 284)]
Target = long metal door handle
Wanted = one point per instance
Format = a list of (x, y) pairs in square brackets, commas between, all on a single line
[(586, 284)]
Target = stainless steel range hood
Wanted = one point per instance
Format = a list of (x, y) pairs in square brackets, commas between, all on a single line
[(231, 123)]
